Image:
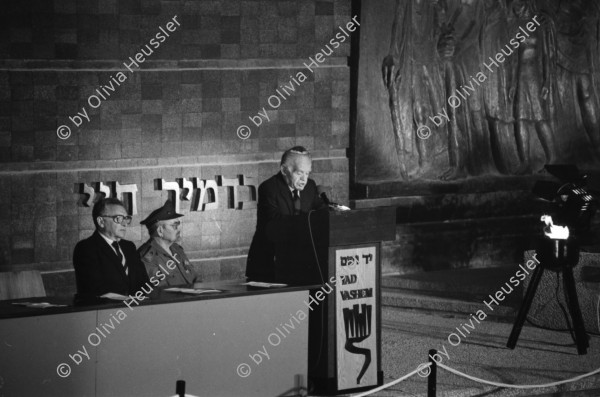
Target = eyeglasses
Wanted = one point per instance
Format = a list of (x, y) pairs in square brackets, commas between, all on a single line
[(121, 219)]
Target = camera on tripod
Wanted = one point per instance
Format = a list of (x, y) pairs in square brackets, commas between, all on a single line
[(568, 203), (571, 206)]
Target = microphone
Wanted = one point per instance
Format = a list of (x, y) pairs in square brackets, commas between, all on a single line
[(322, 192)]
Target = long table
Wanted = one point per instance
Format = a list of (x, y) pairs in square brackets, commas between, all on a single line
[(243, 341)]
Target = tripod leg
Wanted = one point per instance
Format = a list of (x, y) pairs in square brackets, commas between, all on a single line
[(571, 295), (525, 306)]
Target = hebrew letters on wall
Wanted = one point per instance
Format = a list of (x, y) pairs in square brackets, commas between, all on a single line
[(203, 195)]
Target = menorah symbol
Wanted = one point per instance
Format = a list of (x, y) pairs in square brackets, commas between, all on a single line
[(358, 328)]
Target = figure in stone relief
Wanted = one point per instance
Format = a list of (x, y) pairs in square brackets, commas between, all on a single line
[(494, 38), (577, 52), (532, 76), (412, 56), (395, 65), (468, 62), (469, 146), (458, 142)]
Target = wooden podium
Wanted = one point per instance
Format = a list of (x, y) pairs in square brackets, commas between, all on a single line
[(345, 313)]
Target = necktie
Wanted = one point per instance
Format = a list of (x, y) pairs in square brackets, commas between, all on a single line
[(297, 206), (120, 256)]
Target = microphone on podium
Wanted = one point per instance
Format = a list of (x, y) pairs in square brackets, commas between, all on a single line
[(322, 192)]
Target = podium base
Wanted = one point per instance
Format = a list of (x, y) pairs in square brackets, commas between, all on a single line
[(328, 386)]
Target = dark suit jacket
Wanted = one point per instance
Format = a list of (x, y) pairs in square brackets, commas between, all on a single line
[(98, 269), (275, 217)]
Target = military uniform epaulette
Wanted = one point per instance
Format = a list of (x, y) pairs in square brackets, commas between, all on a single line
[(147, 251), (177, 246)]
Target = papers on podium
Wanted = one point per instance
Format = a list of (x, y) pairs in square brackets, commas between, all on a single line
[(264, 285), (37, 305), (193, 291), (114, 296)]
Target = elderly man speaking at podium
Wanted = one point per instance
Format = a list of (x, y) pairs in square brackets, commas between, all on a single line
[(282, 197)]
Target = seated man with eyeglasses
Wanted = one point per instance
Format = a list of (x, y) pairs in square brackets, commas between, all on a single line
[(105, 262), (165, 260)]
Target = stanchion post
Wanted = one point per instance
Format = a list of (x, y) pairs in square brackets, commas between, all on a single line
[(431, 380), (180, 388)]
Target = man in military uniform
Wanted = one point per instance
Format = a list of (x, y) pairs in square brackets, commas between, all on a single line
[(162, 256)]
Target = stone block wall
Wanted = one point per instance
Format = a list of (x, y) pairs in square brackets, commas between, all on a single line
[(173, 116)]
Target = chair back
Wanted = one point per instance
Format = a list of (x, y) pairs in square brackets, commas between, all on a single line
[(25, 284)]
